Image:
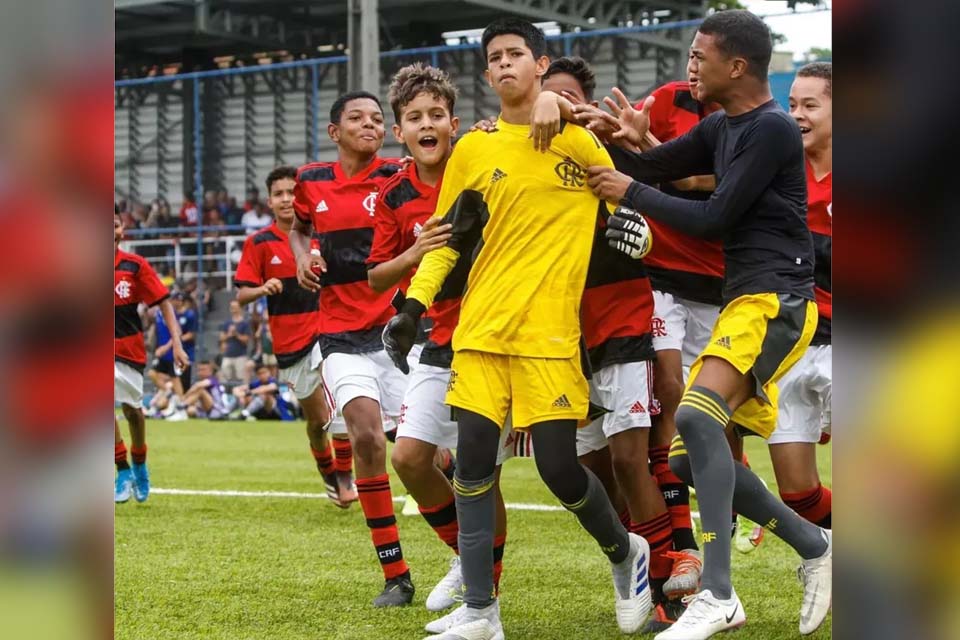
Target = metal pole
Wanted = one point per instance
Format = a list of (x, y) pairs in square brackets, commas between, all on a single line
[(198, 190), (363, 39), (315, 109)]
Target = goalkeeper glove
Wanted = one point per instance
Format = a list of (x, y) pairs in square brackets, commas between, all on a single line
[(629, 233), (400, 332)]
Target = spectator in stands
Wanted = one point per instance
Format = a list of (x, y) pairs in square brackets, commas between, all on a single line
[(256, 219), (223, 203), (207, 398), (189, 214), (264, 349), (260, 399), (253, 197), (189, 324), (235, 336), (234, 213)]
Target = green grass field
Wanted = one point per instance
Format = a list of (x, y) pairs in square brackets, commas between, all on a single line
[(236, 568)]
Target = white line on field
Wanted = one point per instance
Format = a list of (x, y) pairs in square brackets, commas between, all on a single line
[(220, 493)]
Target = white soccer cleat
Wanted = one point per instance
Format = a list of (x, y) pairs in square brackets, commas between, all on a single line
[(705, 616), (475, 624), (634, 609), (448, 591), (448, 621), (685, 574), (817, 578)]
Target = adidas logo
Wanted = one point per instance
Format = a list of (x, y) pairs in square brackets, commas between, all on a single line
[(562, 402), (276, 260), (497, 174), (322, 206), (723, 342), (417, 229), (637, 408)]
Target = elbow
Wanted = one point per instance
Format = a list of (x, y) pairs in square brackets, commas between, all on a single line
[(375, 283)]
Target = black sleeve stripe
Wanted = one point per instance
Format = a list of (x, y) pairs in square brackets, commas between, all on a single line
[(244, 283), (317, 174), (160, 299), (400, 193), (130, 266), (386, 170), (265, 236)]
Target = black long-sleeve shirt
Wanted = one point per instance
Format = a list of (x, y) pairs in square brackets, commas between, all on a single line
[(759, 208)]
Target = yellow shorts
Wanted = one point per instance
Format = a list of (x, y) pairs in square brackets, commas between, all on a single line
[(764, 334), (534, 389)]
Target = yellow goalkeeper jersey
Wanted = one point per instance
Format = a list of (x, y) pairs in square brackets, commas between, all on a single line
[(528, 218)]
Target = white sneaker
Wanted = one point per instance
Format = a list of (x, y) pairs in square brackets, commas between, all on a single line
[(179, 416), (448, 621), (475, 624), (411, 508), (817, 578), (634, 609), (705, 616), (448, 590)]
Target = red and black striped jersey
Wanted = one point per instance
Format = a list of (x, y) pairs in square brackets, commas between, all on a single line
[(403, 207), (616, 312), (134, 281), (341, 210), (683, 265), (294, 313), (820, 221)]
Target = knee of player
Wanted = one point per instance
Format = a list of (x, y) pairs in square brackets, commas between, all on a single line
[(680, 466), (629, 464), (368, 442), (409, 461), (668, 389)]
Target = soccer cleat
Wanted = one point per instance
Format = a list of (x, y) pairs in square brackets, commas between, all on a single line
[(685, 575), (410, 506), (123, 486), (747, 536), (817, 578), (664, 615), (474, 624), (448, 621), (179, 416), (705, 616), (446, 593), (346, 489), (141, 482), (632, 586), (397, 592), (333, 488)]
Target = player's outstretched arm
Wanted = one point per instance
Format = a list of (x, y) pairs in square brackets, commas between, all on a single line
[(307, 262), (246, 295)]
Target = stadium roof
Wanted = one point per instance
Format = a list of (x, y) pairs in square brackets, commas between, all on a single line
[(194, 33)]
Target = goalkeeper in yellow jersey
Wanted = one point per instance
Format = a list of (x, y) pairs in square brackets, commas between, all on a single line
[(523, 220)]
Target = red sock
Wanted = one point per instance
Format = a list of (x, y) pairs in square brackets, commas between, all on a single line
[(659, 534), (377, 503), (324, 460), (443, 519), (498, 543), (814, 505), (743, 459), (344, 454), (120, 456), (677, 496), (138, 454), (625, 519)]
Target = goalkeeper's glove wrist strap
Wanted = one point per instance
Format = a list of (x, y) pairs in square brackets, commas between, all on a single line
[(413, 308)]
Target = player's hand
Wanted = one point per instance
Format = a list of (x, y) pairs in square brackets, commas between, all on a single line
[(180, 358), (608, 183), (602, 124), (544, 120), (634, 123), (489, 125), (433, 236), (308, 267), (162, 349), (398, 338), (629, 233), (272, 287)]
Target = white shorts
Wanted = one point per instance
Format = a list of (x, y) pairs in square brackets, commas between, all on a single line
[(367, 375), (682, 324), (627, 391), (127, 385), (805, 393), (424, 416), (304, 376)]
